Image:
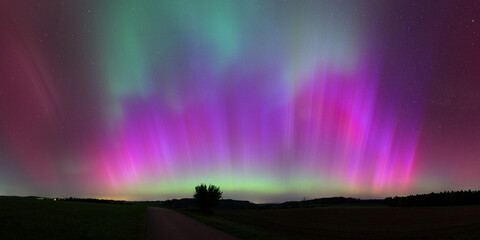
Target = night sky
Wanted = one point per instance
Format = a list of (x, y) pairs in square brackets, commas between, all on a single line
[(270, 100)]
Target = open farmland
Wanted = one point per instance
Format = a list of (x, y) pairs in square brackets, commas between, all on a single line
[(31, 218), (362, 223)]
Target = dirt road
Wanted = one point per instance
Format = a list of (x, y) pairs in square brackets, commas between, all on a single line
[(168, 224)]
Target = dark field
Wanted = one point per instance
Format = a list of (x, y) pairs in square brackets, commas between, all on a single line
[(461, 222), (29, 218)]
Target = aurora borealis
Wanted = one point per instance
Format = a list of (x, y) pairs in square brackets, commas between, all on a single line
[(270, 100)]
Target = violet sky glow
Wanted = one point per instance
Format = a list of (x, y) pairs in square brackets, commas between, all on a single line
[(270, 100)]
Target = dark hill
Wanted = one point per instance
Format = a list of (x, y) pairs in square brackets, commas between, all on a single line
[(225, 204)]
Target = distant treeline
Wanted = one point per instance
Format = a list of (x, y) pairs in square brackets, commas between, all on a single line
[(92, 200), (229, 204), (447, 198), (225, 204), (319, 202), (332, 201)]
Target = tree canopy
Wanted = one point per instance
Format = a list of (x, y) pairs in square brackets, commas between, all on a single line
[(207, 197)]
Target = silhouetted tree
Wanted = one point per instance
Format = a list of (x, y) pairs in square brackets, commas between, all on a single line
[(207, 197)]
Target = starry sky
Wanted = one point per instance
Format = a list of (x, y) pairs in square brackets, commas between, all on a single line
[(270, 100)]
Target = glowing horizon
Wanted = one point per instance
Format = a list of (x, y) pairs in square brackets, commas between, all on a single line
[(269, 100)]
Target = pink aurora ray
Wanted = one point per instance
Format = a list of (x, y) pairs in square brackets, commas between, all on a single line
[(329, 126)]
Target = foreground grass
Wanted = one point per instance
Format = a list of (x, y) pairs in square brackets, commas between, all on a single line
[(243, 231), (29, 218), (461, 222)]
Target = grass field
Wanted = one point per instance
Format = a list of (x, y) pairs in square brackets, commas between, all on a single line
[(243, 231), (29, 218), (461, 222)]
